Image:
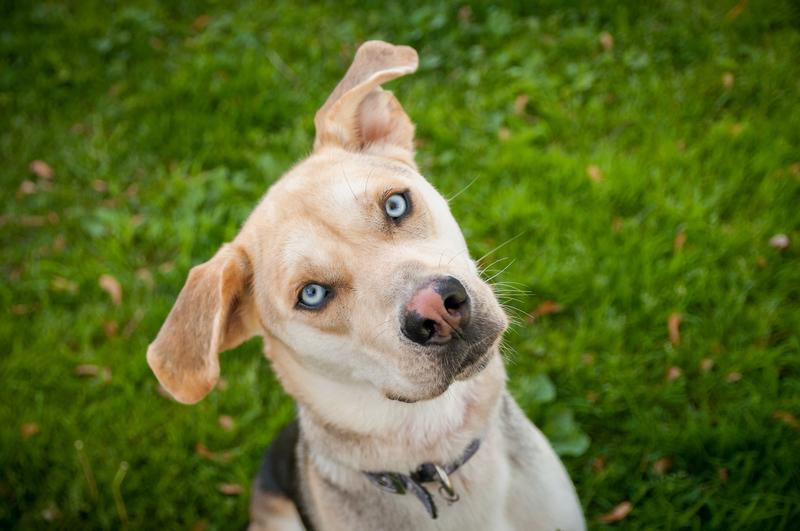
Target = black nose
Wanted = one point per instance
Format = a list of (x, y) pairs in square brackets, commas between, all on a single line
[(437, 312)]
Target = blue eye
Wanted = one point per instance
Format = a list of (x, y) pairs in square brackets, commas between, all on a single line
[(396, 206), (313, 295)]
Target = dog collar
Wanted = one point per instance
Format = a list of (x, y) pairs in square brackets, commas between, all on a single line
[(397, 483)]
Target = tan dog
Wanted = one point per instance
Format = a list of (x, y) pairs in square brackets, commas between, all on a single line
[(355, 274)]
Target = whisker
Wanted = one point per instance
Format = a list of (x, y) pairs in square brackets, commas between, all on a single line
[(454, 256), (506, 267), (501, 245), (348, 182), (463, 189)]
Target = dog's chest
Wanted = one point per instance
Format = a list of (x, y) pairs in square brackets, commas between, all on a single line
[(481, 484)]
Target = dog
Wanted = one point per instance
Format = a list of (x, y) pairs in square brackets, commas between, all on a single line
[(376, 321)]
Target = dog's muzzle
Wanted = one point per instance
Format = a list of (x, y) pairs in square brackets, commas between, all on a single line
[(437, 313)]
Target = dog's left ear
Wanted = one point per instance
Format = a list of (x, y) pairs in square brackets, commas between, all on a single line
[(360, 116), (215, 311)]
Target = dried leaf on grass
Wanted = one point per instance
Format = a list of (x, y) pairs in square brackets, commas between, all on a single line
[(231, 489), (87, 370), (204, 451), (727, 80), (674, 373), (706, 364), (788, 418), (41, 169), (661, 465), (734, 377), (617, 513), (545, 308), (680, 239), (27, 188), (29, 429), (594, 173), (62, 284), (606, 40), (200, 526), (222, 384), (226, 422), (111, 286), (674, 324)]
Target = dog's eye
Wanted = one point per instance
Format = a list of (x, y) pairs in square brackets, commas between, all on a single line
[(396, 206), (313, 295)]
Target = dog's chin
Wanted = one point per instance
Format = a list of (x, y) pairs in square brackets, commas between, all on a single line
[(472, 364)]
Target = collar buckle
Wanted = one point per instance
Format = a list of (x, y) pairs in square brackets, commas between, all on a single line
[(446, 489)]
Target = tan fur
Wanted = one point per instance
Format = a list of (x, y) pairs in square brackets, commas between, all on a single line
[(346, 364)]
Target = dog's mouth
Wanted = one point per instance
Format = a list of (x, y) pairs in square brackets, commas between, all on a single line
[(458, 361)]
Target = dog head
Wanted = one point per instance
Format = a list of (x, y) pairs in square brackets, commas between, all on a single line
[(351, 267)]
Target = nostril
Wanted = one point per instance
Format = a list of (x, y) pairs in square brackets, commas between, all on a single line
[(429, 328), (453, 302)]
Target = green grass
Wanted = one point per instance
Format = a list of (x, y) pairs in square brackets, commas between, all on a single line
[(189, 126)]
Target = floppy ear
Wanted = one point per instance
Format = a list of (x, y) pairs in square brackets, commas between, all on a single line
[(359, 115), (215, 311)]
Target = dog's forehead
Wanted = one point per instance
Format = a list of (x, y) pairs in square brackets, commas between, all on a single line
[(339, 193)]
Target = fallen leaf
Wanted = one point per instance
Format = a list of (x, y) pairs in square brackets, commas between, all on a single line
[(587, 359), (132, 190), (722, 474), (77, 129), (673, 325), (617, 513), (616, 224), (52, 217), (680, 239), (520, 102), (231, 489), (62, 284), (594, 173), (166, 267), (681, 146), (31, 221), (100, 186), (203, 450), (87, 370), (111, 286), (779, 241), (674, 373), (761, 261), (106, 372), (788, 418), (222, 384), (29, 429), (736, 129), (795, 169), (591, 396), (661, 465), (226, 422), (156, 43), (27, 188), (503, 133), (545, 308), (706, 364), (110, 328), (727, 80), (734, 377), (200, 23), (41, 169), (597, 465), (200, 526), (606, 40), (145, 276), (737, 9), (465, 13)]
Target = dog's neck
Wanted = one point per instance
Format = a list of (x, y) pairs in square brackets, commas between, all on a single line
[(355, 426)]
